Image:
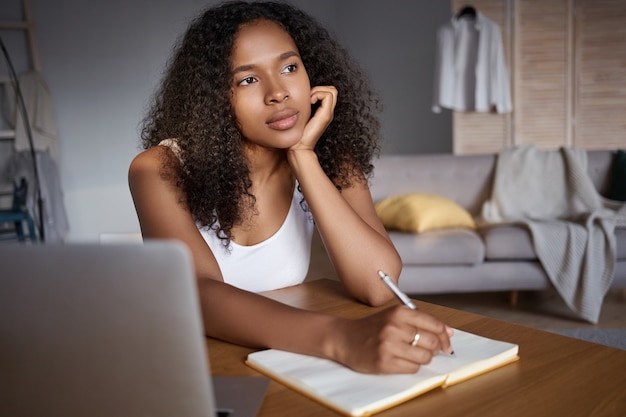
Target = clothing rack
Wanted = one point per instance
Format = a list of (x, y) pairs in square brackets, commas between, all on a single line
[(27, 26)]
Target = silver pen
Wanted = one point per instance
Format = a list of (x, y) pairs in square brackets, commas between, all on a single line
[(401, 296), (397, 292)]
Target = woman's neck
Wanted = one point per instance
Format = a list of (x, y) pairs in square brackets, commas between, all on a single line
[(266, 164), (272, 186)]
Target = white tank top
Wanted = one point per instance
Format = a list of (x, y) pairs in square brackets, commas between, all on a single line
[(280, 261)]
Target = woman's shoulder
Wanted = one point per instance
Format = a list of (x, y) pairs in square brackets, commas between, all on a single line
[(148, 159), (151, 160), (151, 174)]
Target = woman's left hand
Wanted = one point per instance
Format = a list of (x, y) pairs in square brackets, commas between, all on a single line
[(327, 97)]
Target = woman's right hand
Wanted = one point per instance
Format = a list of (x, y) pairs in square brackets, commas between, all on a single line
[(381, 343)]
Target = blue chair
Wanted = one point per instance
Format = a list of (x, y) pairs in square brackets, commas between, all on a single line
[(18, 214)]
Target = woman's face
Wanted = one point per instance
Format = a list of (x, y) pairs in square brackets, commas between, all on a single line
[(271, 88)]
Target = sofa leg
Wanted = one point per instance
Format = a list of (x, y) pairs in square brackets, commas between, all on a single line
[(513, 297)]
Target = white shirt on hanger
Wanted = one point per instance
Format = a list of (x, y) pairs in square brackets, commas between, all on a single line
[(470, 72)]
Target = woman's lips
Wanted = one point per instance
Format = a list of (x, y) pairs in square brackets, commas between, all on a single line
[(283, 120)]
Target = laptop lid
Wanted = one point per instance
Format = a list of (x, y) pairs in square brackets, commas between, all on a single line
[(101, 330)]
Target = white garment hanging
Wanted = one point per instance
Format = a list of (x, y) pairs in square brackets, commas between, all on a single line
[(55, 223), (470, 72), (38, 103)]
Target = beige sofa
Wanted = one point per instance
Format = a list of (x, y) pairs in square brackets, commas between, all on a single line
[(463, 260)]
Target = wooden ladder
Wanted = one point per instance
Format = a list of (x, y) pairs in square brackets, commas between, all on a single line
[(27, 26), (7, 136)]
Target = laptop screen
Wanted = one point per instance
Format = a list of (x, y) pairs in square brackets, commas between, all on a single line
[(101, 330)]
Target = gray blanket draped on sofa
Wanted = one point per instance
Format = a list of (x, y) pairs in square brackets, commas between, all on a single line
[(571, 224)]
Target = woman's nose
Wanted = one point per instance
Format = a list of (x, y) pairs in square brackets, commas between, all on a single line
[(276, 92)]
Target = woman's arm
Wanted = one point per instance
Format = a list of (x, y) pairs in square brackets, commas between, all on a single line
[(378, 344), (354, 237), (228, 313)]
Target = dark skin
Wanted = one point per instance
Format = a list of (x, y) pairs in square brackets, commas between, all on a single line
[(272, 98)]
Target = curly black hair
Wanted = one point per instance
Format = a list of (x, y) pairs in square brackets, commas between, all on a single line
[(192, 106)]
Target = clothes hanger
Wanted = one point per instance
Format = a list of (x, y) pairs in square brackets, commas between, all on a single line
[(466, 11)]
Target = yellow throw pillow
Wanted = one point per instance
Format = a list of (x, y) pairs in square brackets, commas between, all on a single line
[(418, 212)]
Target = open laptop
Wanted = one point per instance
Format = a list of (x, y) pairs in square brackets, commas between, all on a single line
[(107, 330)]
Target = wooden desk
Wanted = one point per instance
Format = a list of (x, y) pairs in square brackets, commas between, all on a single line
[(555, 376)]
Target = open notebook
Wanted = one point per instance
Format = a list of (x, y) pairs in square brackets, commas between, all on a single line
[(108, 330), (356, 394)]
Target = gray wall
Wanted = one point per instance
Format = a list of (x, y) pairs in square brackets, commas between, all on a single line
[(395, 42), (103, 59)]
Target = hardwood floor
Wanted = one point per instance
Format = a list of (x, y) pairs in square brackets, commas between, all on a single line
[(542, 310)]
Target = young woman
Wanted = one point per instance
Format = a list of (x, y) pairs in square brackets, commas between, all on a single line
[(263, 129)]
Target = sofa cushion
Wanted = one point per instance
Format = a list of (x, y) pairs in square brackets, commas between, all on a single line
[(419, 212), (465, 179), (457, 246), (507, 242), (514, 242)]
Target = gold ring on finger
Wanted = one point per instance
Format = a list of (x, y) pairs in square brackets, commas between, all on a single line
[(416, 338)]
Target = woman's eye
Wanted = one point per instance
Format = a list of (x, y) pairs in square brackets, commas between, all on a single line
[(247, 81), (290, 68)]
